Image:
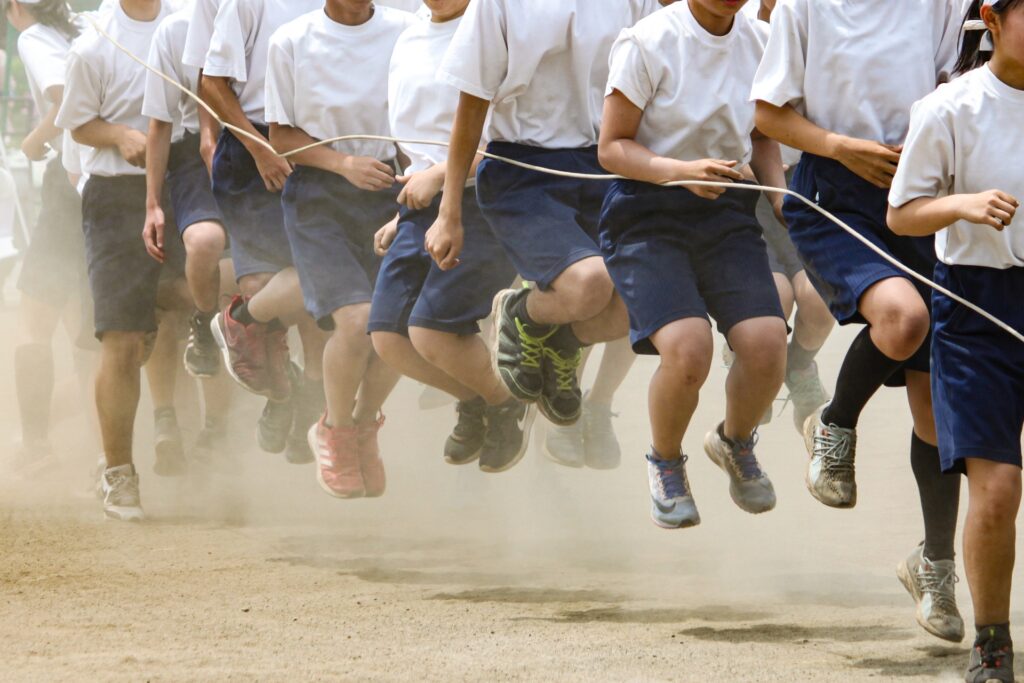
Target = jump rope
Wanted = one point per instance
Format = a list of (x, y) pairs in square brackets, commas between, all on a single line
[(567, 174)]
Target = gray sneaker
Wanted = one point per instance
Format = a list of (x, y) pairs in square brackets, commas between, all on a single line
[(830, 472), (672, 505), (932, 585), (600, 445), (170, 451), (806, 392), (991, 662), (121, 494), (749, 486), (564, 444)]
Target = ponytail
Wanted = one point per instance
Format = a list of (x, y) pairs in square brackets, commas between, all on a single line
[(976, 40)]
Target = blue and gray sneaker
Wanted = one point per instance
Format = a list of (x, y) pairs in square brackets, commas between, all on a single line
[(749, 486), (672, 505)]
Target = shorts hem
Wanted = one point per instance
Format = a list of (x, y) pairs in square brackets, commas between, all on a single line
[(218, 219), (461, 329), (394, 328), (957, 463), (863, 285), (640, 340), (548, 278)]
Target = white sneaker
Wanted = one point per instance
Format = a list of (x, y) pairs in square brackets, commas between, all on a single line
[(932, 585), (830, 471), (121, 494)]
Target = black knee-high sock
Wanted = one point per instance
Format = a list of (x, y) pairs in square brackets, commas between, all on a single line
[(940, 499), (864, 371)]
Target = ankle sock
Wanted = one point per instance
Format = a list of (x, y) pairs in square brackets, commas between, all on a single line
[(1000, 633), (797, 357), (241, 314), (864, 371), (940, 499), (519, 310)]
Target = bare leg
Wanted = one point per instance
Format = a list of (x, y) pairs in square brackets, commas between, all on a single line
[(346, 358), (465, 358), (399, 353), (280, 297), (814, 322), (786, 295), (162, 366), (117, 393), (990, 534), (204, 244), (616, 361), (685, 347), (378, 383), (756, 375), (314, 342)]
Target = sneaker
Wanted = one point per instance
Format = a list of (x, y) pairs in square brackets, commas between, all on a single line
[(563, 445), (280, 368), (202, 357), (170, 452), (121, 494), (806, 392), (561, 400), (467, 438), (600, 445), (991, 662), (244, 349), (517, 352), (508, 435), (308, 404), (830, 472), (337, 456), (749, 486), (672, 505), (96, 477), (370, 463), (274, 426), (932, 585)]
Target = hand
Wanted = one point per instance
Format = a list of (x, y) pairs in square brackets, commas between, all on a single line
[(383, 238), (716, 170), (367, 173), (132, 147), (873, 161), (421, 188), (153, 233), (34, 147), (444, 241), (993, 208), (273, 169)]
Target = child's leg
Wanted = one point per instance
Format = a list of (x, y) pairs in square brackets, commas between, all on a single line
[(162, 365), (786, 295), (117, 392), (813, 323), (989, 537), (405, 357), (379, 381), (33, 369), (756, 375), (616, 362), (204, 245), (346, 359), (465, 358), (685, 347)]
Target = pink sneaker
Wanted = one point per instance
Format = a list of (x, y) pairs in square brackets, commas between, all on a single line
[(337, 459), (244, 349), (374, 478)]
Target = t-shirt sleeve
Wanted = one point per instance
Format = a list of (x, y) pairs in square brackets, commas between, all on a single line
[(83, 93), (229, 44), (629, 73), (477, 58), (780, 77), (162, 99), (44, 59), (926, 165), (200, 29), (280, 82)]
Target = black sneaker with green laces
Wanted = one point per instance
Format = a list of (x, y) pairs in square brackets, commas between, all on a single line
[(467, 438), (508, 435), (518, 348), (561, 400), (202, 357)]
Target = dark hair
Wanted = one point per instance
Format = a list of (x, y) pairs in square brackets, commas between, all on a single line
[(971, 54), (53, 13)]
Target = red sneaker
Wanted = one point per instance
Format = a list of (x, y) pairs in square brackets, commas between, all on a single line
[(374, 479), (244, 350), (337, 459), (278, 364)]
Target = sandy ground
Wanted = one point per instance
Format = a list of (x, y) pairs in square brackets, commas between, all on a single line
[(538, 574)]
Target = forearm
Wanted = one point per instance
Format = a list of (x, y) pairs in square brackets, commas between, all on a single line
[(218, 94), (787, 126), (462, 151), (209, 127), (628, 158), (288, 138), (99, 134), (766, 163), (47, 130), (924, 216), (158, 150)]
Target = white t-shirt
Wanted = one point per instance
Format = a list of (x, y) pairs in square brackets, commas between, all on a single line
[(693, 86), (960, 142), (200, 32), (163, 101), (44, 52), (542, 64), (103, 82), (241, 38), (330, 79), (857, 66)]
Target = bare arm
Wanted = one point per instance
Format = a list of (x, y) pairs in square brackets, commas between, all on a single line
[(158, 150), (766, 163), (35, 143), (209, 131), (366, 173), (928, 215), (130, 143)]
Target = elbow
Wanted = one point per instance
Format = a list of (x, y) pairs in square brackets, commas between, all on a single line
[(78, 136), (764, 119), (897, 222)]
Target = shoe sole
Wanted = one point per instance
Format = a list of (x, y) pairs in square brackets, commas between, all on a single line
[(903, 574), (558, 461), (312, 441), (809, 445), (496, 306), (528, 420), (688, 524), (123, 514), (710, 452), (225, 353), (468, 461), (554, 418)]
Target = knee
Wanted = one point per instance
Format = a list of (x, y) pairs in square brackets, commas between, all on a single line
[(995, 502), (901, 328), (813, 309), (761, 347), (428, 344), (205, 241), (587, 288), (389, 346), (350, 325), (126, 351), (688, 363)]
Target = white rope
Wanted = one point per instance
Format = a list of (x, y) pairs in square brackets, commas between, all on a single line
[(568, 174)]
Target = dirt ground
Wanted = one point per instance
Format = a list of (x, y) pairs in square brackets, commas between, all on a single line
[(539, 574)]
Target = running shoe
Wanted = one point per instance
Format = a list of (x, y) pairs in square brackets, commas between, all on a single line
[(337, 459), (202, 357), (991, 661), (121, 500), (274, 426), (830, 472), (508, 435), (561, 400), (244, 350), (806, 392), (564, 445), (600, 445), (749, 486), (170, 452), (370, 463), (672, 505), (467, 438), (932, 585), (518, 350), (308, 404)]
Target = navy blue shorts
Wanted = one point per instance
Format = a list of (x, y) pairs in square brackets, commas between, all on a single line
[(123, 277), (330, 225), (252, 215), (673, 255), (189, 184), (412, 291), (977, 368), (840, 267), (545, 223)]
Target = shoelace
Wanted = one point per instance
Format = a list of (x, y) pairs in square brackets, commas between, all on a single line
[(939, 582), (991, 654), (565, 368), (120, 492), (834, 444), (531, 348), (470, 414), (672, 480), (744, 460)]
